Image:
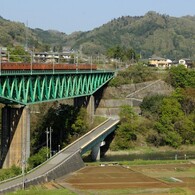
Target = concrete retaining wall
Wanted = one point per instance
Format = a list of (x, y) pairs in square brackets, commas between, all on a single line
[(114, 97), (71, 164)]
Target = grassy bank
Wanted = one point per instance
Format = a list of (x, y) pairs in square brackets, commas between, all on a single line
[(40, 191), (147, 155)]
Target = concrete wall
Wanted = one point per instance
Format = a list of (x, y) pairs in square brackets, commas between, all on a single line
[(15, 139), (114, 97), (73, 163)]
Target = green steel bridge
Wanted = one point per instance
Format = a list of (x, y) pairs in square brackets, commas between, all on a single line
[(26, 87)]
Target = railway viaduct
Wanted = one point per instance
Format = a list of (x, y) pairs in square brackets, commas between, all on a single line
[(18, 89)]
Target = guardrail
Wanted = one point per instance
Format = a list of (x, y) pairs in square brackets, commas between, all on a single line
[(71, 163), (74, 162)]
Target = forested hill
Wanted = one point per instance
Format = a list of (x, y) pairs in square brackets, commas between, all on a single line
[(16, 33), (150, 34), (153, 33)]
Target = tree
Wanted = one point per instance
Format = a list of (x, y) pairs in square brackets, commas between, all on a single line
[(125, 135), (167, 135), (80, 126), (134, 74), (18, 54), (127, 114), (171, 125), (126, 131), (9, 173), (115, 52), (150, 106), (186, 97), (181, 77), (38, 158), (122, 53), (170, 111), (60, 119), (186, 128), (67, 123)]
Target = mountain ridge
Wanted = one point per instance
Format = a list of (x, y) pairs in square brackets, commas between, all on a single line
[(153, 33)]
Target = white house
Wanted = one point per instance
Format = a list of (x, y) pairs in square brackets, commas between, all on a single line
[(186, 62)]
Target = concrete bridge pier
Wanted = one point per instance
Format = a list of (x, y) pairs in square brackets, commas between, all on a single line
[(87, 102), (15, 136), (91, 108), (95, 152)]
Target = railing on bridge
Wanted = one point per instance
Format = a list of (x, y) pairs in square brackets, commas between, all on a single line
[(23, 88), (54, 58)]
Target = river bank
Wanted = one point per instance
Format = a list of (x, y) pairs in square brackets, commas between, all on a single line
[(148, 153)]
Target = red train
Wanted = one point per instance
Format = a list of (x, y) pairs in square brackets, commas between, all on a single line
[(46, 66)]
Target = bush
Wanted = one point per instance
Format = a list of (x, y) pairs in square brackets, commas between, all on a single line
[(38, 158), (9, 173), (181, 77), (134, 74)]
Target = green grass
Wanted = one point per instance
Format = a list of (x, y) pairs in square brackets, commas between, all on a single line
[(153, 162), (128, 191), (140, 162), (180, 191), (40, 191)]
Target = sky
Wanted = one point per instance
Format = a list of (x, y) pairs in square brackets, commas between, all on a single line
[(83, 15)]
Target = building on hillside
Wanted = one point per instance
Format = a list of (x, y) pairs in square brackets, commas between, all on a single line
[(159, 62), (3, 54), (186, 62), (52, 57)]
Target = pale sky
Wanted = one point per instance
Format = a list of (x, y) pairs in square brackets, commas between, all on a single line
[(82, 15)]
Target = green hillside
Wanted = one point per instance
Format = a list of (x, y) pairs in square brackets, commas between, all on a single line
[(15, 33), (153, 33)]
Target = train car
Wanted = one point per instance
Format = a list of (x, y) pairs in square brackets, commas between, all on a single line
[(46, 66), (14, 66)]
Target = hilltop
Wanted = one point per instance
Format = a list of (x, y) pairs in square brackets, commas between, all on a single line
[(153, 33)]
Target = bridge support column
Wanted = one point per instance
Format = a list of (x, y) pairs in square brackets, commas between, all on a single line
[(95, 152), (15, 136), (91, 108), (89, 103)]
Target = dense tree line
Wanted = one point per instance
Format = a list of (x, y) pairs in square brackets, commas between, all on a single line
[(67, 124), (123, 54), (18, 34), (164, 120), (181, 77)]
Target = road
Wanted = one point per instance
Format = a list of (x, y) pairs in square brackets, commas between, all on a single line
[(57, 159)]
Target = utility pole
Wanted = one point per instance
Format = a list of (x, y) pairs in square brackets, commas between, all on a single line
[(91, 62), (47, 134), (23, 172), (31, 61), (50, 131)]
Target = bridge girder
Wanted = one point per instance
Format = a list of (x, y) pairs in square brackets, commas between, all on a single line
[(28, 89)]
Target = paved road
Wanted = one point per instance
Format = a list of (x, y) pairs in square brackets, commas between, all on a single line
[(81, 143)]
